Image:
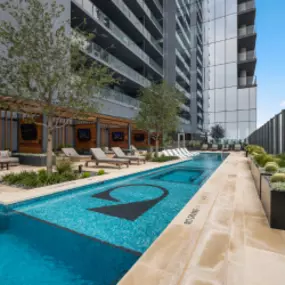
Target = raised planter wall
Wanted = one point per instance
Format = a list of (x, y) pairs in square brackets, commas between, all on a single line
[(255, 174), (273, 201), (34, 160)]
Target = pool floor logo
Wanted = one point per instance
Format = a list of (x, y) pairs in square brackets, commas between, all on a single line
[(129, 211)]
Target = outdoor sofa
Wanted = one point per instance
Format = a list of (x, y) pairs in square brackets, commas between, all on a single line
[(6, 159)]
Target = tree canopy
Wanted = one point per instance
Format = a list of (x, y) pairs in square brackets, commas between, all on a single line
[(44, 60), (159, 109), (217, 132)]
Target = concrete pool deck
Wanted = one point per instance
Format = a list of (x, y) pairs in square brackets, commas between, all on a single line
[(220, 237)]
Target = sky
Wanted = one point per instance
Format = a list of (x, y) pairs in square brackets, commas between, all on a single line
[(270, 49)]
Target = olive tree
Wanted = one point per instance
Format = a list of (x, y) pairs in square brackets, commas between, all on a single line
[(159, 109), (46, 61)]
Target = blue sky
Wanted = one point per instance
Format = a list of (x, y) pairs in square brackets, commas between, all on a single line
[(270, 72)]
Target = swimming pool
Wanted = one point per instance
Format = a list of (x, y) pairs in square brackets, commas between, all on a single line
[(94, 234)]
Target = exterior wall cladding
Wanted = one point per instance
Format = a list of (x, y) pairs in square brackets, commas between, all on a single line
[(271, 135), (203, 47), (229, 66)]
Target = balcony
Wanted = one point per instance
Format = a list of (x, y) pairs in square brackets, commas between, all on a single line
[(247, 12), (247, 82), (119, 98), (116, 38), (247, 37), (116, 65), (247, 62), (155, 7), (182, 90), (246, 6), (246, 56), (122, 16), (140, 9)]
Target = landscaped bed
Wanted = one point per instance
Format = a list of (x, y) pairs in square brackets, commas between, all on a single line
[(32, 179), (269, 175)]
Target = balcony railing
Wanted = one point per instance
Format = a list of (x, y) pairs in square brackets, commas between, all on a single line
[(247, 81), (243, 7), (158, 5), (102, 55), (183, 90), (246, 56), (118, 97), (150, 15), (246, 31), (103, 19), (135, 21)]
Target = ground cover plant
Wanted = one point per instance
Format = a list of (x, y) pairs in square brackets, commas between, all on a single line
[(32, 179)]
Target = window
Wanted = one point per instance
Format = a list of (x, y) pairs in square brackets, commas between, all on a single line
[(220, 102), (231, 74), (231, 50), (220, 53), (231, 99), (231, 26), (220, 29), (220, 76)]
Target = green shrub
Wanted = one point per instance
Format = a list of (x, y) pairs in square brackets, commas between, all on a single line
[(85, 175), (164, 158), (271, 167), (101, 172), (280, 186), (255, 149), (277, 177), (148, 156), (280, 161), (64, 166)]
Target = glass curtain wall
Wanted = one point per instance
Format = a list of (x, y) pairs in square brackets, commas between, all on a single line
[(229, 106)]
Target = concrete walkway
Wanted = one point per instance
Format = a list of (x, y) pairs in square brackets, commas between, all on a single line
[(220, 237)]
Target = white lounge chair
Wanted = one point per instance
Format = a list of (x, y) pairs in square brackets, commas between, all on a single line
[(186, 153), (178, 153)]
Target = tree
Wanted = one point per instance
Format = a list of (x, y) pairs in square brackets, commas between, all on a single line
[(159, 110), (43, 59), (217, 132)]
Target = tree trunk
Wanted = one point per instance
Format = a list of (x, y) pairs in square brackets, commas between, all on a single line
[(156, 147), (49, 144)]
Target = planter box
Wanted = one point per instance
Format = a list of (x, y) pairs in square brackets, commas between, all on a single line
[(255, 174), (34, 160), (273, 202)]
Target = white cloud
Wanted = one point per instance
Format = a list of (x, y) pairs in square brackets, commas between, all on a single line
[(282, 104)]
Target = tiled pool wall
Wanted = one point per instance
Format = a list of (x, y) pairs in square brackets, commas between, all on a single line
[(83, 255)]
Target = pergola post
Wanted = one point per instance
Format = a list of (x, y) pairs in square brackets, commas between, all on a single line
[(129, 136), (98, 133)]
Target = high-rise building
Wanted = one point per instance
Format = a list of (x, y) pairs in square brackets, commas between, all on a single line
[(229, 66), (206, 48)]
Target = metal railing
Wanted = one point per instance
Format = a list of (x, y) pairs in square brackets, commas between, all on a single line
[(246, 31), (158, 5), (99, 16), (150, 15), (135, 21), (243, 7), (102, 55), (247, 81), (118, 97), (245, 56), (182, 75), (183, 90)]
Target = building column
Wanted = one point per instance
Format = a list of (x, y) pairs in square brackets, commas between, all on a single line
[(98, 133), (129, 136)]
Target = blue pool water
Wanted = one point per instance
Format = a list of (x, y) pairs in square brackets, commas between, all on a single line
[(94, 234)]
